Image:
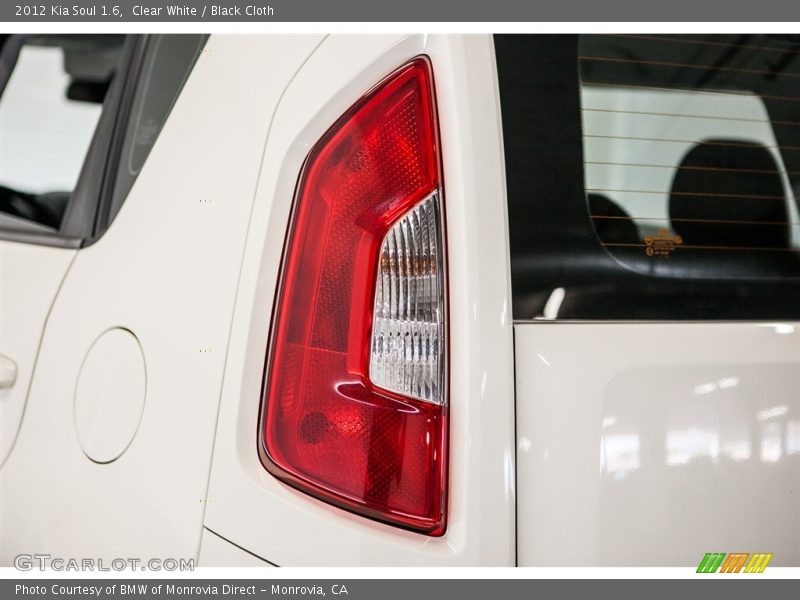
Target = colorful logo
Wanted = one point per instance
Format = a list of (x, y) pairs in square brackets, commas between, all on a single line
[(738, 562)]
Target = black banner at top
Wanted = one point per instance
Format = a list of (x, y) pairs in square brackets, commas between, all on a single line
[(209, 11)]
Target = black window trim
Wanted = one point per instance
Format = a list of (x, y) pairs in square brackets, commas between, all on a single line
[(123, 115)]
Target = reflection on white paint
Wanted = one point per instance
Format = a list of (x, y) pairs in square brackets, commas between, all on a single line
[(706, 388), (724, 431), (621, 454), (792, 439), (609, 421), (737, 450), (713, 386), (784, 328), (686, 445), (771, 450), (772, 413)]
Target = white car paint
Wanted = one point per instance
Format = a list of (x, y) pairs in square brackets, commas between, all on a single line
[(30, 277), (652, 444), (110, 395), (167, 270)]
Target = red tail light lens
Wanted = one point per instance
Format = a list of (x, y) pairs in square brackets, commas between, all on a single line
[(355, 402)]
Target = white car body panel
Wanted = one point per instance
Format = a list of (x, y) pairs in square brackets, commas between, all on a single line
[(29, 278), (167, 270), (218, 552), (652, 444)]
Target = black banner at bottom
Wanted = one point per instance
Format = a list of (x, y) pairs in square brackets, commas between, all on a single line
[(728, 587)]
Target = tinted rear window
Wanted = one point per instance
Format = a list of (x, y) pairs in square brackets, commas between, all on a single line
[(652, 177)]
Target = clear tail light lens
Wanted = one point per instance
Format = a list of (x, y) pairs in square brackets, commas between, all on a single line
[(408, 317), (355, 403)]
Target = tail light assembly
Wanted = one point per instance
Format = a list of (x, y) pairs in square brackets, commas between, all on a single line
[(355, 390)]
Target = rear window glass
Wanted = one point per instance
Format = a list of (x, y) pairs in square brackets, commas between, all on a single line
[(652, 177), (687, 146)]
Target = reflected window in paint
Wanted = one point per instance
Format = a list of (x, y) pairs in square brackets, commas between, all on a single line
[(771, 450), (620, 454), (737, 450), (792, 439), (687, 445)]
